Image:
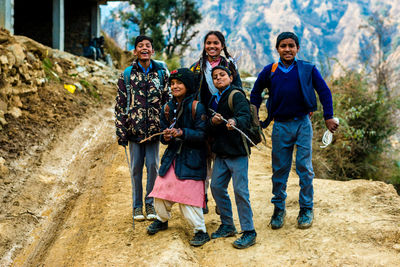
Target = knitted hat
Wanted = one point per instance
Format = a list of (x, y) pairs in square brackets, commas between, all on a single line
[(287, 35), (221, 68), (186, 76)]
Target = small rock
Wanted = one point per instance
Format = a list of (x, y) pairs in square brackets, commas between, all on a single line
[(396, 247), (3, 60), (16, 101), (18, 52), (15, 112), (3, 106), (4, 171), (58, 68), (2, 119)]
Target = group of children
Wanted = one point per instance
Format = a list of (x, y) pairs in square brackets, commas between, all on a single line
[(198, 125)]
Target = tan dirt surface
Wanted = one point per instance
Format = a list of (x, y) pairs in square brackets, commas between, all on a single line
[(356, 223)]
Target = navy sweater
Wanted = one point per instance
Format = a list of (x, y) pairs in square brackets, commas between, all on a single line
[(286, 95)]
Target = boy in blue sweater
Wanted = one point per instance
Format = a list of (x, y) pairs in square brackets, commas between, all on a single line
[(291, 83)]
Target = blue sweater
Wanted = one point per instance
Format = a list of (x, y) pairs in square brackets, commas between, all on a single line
[(292, 94)]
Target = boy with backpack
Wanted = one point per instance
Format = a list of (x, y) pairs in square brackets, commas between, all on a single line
[(142, 92), (231, 157), (291, 83)]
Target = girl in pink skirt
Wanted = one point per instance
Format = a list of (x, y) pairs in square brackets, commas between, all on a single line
[(183, 166)]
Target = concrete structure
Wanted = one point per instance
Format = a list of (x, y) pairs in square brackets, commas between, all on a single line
[(7, 15), (62, 24)]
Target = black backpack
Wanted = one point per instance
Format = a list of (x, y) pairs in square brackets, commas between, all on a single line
[(255, 132)]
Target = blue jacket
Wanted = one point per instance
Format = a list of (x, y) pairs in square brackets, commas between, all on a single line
[(189, 151), (305, 70)]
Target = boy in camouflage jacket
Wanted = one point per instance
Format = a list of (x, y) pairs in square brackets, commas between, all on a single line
[(137, 113)]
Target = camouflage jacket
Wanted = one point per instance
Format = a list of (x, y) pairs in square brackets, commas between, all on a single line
[(147, 100)]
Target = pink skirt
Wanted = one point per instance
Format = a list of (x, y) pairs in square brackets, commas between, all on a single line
[(169, 187)]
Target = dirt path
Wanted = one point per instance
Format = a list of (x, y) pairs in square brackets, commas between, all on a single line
[(85, 218)]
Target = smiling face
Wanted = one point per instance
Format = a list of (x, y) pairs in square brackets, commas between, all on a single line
[(287, 50), (178, 88), (213, 47), (144, 50), (221, 79)]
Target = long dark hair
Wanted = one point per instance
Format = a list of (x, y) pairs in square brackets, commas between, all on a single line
[(221, 38)]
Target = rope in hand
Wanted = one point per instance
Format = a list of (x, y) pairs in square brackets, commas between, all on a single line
[(327, 138)]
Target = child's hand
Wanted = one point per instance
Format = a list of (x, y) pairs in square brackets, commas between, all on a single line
[(231, 123), (217, 119), (167, 134), (176, 132)]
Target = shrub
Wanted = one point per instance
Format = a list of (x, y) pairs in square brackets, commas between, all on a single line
[(360, 146)]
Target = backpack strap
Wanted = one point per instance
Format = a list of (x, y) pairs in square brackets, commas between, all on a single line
[(273, 69), (230, 104), (127, 81), (194, 108), (230, 98)]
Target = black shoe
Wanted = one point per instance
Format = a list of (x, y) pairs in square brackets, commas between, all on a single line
[(157, 226), (199, 239), (224, 231), (305, 218), (278, 218), (247, 239)]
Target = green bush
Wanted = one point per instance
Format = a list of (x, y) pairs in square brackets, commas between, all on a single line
[(360, 148)]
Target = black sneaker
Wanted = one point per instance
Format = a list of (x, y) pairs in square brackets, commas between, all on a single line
[(278, 218), (199, 239), (224, 231), (305, 218), (157, 226), (247, 239), (150, 212)]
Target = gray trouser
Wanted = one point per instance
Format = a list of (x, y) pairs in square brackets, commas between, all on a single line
[(138, 153)]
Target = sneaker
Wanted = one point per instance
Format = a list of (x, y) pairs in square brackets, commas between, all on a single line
[(157, 226), (278, 218), (224, 231), (247, 239), (150, 212), (199, 239), (305, 218), (138, 214)]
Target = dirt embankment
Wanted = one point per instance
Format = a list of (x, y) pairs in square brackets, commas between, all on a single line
[(66, 199)]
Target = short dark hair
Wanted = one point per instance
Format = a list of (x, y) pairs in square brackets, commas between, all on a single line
[(287, 35), (141, 38), (220, 67)]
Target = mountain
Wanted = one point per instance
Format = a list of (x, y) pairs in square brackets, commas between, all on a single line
[(326, 29)]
